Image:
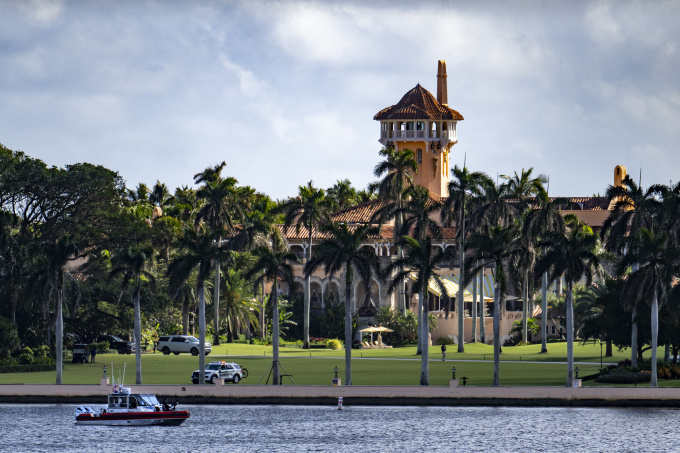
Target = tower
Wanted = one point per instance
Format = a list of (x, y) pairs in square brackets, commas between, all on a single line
[(427, 126)]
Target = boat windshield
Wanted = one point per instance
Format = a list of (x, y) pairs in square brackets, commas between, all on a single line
[(150, 400)]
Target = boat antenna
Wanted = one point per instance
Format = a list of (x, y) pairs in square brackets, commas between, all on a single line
[(123, 382)]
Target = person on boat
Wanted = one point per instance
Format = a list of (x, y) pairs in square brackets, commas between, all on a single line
[(166, 406), (133, 402)]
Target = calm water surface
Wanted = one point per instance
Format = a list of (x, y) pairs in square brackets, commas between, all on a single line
[(37, 428)]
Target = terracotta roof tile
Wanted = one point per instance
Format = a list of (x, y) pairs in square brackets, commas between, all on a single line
[(291, 232), (418, 104)]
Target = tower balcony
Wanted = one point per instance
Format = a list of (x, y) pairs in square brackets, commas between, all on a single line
[(418, 131)]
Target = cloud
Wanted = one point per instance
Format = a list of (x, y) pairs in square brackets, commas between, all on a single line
[(44, 12)]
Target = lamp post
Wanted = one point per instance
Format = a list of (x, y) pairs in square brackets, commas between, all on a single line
[(336, 372), (576, 372), (600, 355), (104, 371), (453, 372)]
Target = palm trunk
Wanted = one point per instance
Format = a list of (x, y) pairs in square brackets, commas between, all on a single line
[(201, 331), (425, 333), (348, 327), (138, 338), (419, 350), (667, 353), (305, 334), (655, 336), (634, 329), (398, 221), (609, 350), (461, 286), (482, 315), (15, 301), (185, 316), (216, 303), (544, 313), (60, 336), (570, 334), (275, 336), (634, 338), (474, 310), (263, 310), (525, 307), (496, 331)]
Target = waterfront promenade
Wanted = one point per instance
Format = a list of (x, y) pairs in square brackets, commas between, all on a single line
[(452, 395)]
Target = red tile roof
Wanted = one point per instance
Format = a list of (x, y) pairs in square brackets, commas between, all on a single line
[(418, 104)]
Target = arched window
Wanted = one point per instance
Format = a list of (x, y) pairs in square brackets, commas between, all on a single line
[(419, 156)]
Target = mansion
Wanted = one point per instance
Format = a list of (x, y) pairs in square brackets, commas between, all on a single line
[(427, 125)]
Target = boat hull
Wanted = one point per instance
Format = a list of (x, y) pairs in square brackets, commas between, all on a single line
[(167, 418)]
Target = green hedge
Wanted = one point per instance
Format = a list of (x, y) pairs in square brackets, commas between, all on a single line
[(27, 368)]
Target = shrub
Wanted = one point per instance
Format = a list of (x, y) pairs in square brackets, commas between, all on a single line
[(675, 373), (9, 338), (663, 373), (103, 346), (334, 344), (42, 351), (444, 340), (622, 376)]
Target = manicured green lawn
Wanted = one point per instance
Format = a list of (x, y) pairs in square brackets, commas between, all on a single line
[(396, 366)]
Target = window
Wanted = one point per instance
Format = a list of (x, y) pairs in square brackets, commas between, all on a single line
[(419, 156), (553, 329), (409, 125)]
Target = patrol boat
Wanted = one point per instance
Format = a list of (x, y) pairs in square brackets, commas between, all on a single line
[(131, 409)]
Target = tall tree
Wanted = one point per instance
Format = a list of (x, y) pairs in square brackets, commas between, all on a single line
[(421, 260), (274, 264), (57, 254), (419, 214), (397, 172), (221, 208), (493, 244), (464, 186), (576, 255), (526, 189), (131, 264), (308, 210), (197, 250), (633, 209), (344, 250), (545, 217), (342, 194)]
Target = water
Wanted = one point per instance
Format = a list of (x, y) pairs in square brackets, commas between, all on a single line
[(38, 428)]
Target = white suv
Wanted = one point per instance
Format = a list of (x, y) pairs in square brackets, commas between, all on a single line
[(215, 370), (180, 343)]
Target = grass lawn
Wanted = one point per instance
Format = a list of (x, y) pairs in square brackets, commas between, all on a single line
[(397, 366)]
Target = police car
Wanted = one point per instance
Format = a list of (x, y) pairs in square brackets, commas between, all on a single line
[(230, 371)]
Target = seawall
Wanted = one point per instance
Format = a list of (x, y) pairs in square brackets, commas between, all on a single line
[(452, 395)]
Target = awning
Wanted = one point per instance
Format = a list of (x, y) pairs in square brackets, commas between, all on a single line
[(451, 287)]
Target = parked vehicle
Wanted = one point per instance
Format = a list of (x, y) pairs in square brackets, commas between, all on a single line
[(180, 343), (115, 342), (215, 370), (80, 353)]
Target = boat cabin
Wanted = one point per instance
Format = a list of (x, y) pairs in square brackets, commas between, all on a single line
[(124, 400)]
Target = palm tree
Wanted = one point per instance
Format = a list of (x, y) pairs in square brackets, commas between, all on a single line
[(131, 263), (420, 260), (274, 264), (418, 216), (464, 186), (342, 194), (199, 249), (344, 251), (398, 168), (309, 209), (634, 208), (545, 217), (657, 257), (220, 209), (237, 303), (525, 188), (574, 255), (57, 254), (493, 244)]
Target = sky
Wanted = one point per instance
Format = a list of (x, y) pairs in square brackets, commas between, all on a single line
[(285, 92)]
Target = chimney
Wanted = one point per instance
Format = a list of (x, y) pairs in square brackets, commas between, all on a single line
[(442, 96)]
